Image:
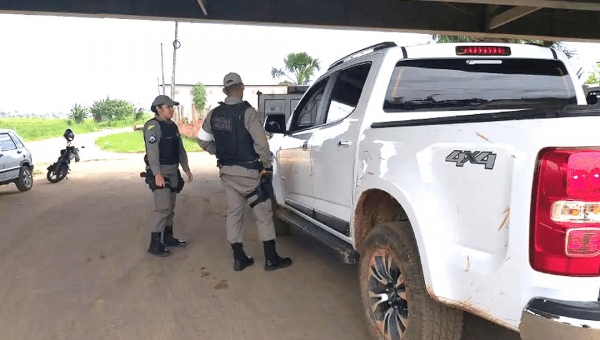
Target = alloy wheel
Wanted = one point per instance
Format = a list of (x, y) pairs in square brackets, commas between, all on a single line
[(27, 178), (388, 295)]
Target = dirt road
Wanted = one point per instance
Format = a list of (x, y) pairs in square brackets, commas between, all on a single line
[(74, 265), (47, 151)]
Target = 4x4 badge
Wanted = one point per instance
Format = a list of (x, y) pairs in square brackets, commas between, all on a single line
[(461, 157)]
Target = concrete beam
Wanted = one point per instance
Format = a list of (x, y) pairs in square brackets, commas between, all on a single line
[(580, 5), (556, 25), (382, 15), (510, 15)]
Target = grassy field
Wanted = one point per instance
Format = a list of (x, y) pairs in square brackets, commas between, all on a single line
[(31, 129), (133, 142)]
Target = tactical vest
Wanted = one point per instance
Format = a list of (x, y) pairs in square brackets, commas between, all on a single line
[(168, 147), (234, 144)]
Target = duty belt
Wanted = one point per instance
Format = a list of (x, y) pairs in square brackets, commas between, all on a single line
[(252, 165)]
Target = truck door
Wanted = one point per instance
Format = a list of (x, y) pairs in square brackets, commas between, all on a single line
[(333, 149), (294, 156)]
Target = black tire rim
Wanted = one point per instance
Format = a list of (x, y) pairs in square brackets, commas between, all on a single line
[(27, 178), (388, 295)]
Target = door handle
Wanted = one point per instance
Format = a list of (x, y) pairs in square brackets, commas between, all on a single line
[(344, 143), (305, 145), (19, 152)]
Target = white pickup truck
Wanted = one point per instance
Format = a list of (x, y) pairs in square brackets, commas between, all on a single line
[(462, 177)]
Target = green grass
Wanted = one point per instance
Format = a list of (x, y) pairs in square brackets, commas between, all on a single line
[(133, 142), (32, 129)]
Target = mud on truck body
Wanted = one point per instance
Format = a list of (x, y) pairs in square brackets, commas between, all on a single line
[(462, 177)]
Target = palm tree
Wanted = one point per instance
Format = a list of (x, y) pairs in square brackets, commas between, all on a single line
[(300, 65), (558, 45)]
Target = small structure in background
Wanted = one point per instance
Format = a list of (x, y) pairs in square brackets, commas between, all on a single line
[(189, 119), (280, 103), (592, 93)]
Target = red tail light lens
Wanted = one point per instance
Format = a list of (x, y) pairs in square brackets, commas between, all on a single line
[(565, 225), (483, 50)]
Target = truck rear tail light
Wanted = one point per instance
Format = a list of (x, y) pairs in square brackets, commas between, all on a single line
[(565, 215), (575, 211), (482, 50)]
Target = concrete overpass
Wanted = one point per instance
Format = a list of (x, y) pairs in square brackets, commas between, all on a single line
[(574, 20)]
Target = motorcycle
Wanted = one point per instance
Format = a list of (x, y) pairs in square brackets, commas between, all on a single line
[(60, 169)]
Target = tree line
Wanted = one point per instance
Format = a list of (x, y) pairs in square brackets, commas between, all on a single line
[(107, 110)]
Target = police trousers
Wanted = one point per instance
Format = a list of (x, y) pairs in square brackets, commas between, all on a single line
[(238, 182), (164, 201)]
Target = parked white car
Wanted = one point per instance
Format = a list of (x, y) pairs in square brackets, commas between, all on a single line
[(16, 163), (463, 177)]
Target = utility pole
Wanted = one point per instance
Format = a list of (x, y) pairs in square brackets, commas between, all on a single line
[(162, 68), (176, 45)]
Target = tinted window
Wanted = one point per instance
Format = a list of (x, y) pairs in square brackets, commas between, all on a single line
[(6, 143), (461, 84), (347, 91), (307, 110)]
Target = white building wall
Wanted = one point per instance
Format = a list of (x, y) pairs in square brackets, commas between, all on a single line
[(214, 94)]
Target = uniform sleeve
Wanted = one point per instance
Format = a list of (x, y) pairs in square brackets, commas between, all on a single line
[(183, 158), (256, 130), (152, 135), (206, 140)]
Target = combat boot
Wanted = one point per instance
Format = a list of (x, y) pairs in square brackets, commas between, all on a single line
[(240, 259), (171, 241), (156, 247), (273, 260)]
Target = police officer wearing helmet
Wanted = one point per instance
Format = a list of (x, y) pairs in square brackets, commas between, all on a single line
[(164, 154), (234, 133)]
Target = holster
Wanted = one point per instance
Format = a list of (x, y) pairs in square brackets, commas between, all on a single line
[(263, 191), (180, 183), (150, 179)]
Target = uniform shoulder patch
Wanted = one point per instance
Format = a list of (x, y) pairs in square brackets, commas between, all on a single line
[(152, 139), (151, 127)]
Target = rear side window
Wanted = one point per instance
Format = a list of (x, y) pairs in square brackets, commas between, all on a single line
[(477, 84), (347, 92), (6, 143), (17, 140)]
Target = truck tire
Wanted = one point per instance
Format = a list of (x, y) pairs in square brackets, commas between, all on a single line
[(395, 300)]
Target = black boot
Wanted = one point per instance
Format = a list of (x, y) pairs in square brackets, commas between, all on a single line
[(240, 259), (274, 261), (171, 241), (156, 247)]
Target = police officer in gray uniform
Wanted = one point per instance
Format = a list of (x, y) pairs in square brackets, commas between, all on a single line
[(164, 153), (233, 132)]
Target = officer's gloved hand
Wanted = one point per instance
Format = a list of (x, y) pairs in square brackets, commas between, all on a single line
[(267, 171)]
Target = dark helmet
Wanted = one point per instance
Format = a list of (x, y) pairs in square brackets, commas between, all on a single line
[(69, 135)]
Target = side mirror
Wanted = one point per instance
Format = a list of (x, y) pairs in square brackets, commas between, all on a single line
[(275, 123), (592, 98)]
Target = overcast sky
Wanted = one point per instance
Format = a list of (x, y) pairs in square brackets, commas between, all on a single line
[(49, 63)]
